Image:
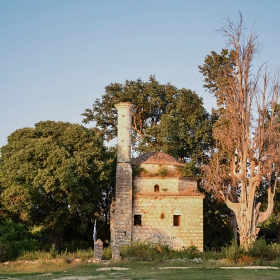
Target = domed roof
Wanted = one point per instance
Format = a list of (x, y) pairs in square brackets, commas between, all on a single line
[(155, 158)]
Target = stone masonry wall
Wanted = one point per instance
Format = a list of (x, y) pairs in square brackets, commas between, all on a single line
[(187, 184), (156, 167), (157, 213), (166, 184), (142, 184)]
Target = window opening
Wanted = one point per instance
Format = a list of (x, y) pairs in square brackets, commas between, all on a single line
[(156, 188), (176, 220), (137, 220)]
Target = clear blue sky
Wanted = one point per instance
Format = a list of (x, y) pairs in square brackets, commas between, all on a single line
[(56, 56)]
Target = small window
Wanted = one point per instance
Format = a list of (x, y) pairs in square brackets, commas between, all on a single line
[(176, 220), (156, 188), (137, 220)]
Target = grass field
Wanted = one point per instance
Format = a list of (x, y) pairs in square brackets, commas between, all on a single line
[(129, 270)]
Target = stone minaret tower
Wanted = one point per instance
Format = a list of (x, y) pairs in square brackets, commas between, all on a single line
[(121, 231)]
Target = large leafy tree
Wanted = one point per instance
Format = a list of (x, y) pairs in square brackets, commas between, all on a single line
[(54, 175), (164, 118), (247, 132)]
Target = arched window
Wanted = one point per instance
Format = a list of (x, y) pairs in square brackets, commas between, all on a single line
[(156, 188)]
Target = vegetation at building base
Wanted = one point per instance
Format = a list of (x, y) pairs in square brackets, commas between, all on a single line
[(258, 253)]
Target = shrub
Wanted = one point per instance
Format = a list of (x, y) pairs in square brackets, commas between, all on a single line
[(84, 254), (159, 252), (274, 249), (107, 253), (16, 238), (212, 255), (5, 252), (54, 254), (162, 171), (138, 250), (259, 249), (233, 252)]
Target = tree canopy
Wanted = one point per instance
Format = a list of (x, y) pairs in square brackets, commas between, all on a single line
[(54, 175), (164, 118), (247, 132)]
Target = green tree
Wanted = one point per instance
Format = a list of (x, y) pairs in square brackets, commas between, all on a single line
[(247, 131), (216, 223), (164, 118), (54, 175), (16, 239)]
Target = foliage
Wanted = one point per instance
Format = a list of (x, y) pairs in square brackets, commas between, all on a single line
[(164, 118), (247, 130), (55, 175), (271, 227), (258, 251), (14, 240), (5, 252), (138, 250), (190, 169), (54, 254), (107, 253), (217, 230), (233, 252), (162, 171), (138, 171)]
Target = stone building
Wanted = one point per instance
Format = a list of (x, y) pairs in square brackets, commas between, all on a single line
[(157, 203)]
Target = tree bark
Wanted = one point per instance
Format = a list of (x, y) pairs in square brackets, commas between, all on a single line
[(56, 241)]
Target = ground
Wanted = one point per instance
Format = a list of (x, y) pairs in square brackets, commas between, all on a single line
[(128, 270)]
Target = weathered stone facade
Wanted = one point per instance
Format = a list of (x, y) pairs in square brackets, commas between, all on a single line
[(158, 204)]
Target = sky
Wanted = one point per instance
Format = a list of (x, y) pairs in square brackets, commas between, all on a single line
[(57, 56)]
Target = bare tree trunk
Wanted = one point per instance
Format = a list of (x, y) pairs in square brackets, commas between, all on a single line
[(56, 241), (248, 216)]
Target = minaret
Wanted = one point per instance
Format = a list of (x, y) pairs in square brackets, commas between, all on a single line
[(123, 202)]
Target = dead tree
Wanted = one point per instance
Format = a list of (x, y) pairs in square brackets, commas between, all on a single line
[(247, 131)]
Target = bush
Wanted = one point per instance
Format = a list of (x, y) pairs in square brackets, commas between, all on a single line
[(139, 250), (107, 253), (162, 171), (54, 254), (274, 250), (159, 252), (212, 255), (259, 249), (16, 238), (233, 252), (5, 252)]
